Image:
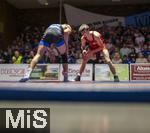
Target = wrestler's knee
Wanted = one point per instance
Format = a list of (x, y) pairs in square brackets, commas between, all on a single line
[(109, 62)]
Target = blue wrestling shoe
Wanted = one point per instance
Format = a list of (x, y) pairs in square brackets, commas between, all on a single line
[(24, 80), (26, 76)]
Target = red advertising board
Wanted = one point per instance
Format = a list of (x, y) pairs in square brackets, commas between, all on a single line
[(140, 71)]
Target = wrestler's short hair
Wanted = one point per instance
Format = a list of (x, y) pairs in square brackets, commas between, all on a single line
[(83, 27), (66, 26)]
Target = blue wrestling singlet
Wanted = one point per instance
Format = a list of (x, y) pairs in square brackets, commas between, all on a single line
[(53, 34)]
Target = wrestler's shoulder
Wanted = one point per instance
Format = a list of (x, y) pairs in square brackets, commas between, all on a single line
[(95, 33)]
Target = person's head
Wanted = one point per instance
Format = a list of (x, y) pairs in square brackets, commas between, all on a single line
[(31, 53), (16, 53), (67, 27), (117, 55), (83, 29), (140, 55), (133, 50), (124, 45), (145, 47), (148, 58)]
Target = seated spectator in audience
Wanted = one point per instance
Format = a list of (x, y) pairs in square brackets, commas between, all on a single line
[(149, 47), (102, 60), (141, 58), (148, 59), (139, 39), (1, 58), (30, 57), (35, 43), (109, 44), (71, 57), (147, 38), (137, 48), (133, 55), (116, 58), (124, 50), (126, 60), (17, 58), (145, 51), (79, 59), (6, 57)]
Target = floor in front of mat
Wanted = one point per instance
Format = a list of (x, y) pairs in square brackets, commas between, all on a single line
[(92, 117)]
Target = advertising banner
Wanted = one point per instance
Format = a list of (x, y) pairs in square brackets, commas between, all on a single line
[(46, 72), (76, 17), (12, 72), (138, 20), (140, 71), (73, 69), (103, 73)]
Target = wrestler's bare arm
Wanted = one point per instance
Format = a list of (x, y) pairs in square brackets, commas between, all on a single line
[(83, 45), (67, 31)]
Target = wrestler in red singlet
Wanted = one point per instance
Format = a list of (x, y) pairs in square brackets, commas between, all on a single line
[(95, 44)]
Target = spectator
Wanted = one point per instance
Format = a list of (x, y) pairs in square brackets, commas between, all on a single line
[(71, 57), (30, 57), (6, 57), (126, 60), (124, 50), (110, 46), (148, 59), (79, 60), (141, 58), (1, 58), (17, 58), (139, 39), (145, 51), (132, 55), (116, 58)]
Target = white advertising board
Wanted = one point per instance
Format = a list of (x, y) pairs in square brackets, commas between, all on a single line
[(12, 72), (73, 69)]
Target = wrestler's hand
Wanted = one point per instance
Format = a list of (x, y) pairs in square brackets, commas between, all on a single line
[(84, 52), (89, 54)]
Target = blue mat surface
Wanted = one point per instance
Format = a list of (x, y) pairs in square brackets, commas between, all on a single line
[(76, 91)]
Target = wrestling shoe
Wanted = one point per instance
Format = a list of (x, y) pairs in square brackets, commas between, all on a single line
[(24, 80), (78, 78), (26, 76), (116, 78)]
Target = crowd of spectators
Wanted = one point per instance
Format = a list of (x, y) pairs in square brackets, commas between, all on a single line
[(125, 44)]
